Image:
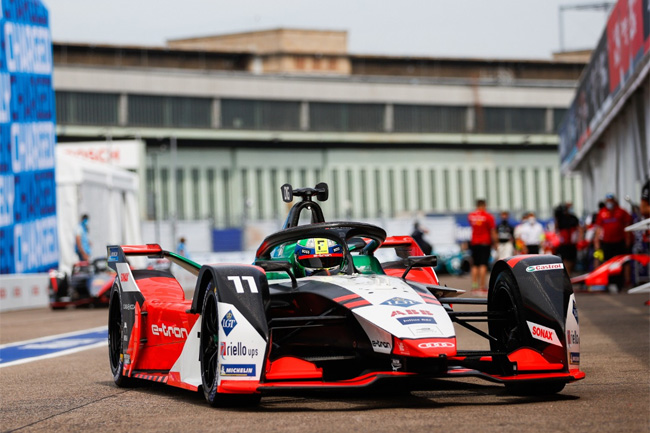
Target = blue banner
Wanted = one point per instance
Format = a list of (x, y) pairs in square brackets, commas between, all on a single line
[(28, 228)]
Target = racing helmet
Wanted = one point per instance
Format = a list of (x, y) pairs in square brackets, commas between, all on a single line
[(318, 256)]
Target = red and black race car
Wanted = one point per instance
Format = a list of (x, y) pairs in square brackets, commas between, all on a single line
[(89, 284), (317, 310)]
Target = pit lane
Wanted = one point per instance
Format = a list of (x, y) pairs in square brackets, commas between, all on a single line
[(76, 393)]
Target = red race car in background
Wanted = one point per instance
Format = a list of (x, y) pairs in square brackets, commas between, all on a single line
[(87, 285)]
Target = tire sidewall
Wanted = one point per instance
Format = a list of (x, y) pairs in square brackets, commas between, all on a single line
[(116, 370), (210, 393)]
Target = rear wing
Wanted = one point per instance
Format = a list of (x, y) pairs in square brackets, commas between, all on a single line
[(119, 254)]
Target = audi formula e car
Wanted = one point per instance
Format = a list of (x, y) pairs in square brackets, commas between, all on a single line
[(317, 310), (89, 284)]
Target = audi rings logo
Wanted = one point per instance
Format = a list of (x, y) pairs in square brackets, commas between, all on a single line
[(435, 345)]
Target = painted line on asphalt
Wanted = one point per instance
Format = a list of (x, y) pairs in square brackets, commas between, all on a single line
[(52, 346)]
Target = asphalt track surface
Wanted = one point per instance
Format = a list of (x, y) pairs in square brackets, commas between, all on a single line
[(76, 392)]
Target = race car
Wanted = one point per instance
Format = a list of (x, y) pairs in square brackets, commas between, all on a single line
[(89, 284), (317, 311)]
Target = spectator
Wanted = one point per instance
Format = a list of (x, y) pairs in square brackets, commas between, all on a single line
[(567, 227), (531, 234), (506, 234), (82, 243), (418, 236), (181, 248), (484, 236)]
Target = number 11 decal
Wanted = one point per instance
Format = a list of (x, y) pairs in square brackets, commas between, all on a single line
[(239, 286)]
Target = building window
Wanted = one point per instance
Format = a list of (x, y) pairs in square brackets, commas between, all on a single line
[(517, 120), (180, 193), (428, 118), (342, 117), (151, 196), (170, 111), (260, 115), (79, 108), (211, 193), (164, 194), (558, 117), (196, 194)]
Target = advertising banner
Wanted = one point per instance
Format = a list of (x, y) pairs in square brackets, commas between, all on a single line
[(620, 52), (28, 229)]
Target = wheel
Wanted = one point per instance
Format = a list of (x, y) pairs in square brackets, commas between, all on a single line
[(115, 338), (510, 333), (209, 354)]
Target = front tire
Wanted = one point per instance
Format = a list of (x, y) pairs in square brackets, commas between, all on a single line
[(115, 338), (209, 354), (511, 333)]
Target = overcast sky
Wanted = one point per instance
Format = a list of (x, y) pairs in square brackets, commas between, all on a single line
[(449, 28)]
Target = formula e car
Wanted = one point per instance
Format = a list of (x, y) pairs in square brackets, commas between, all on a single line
[(89, 284), (317, 310)]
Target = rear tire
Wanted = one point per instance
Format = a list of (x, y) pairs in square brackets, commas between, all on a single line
[(511, 333), (209, 354), (115, 338)]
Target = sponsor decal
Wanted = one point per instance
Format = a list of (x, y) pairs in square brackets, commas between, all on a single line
[(574, 358), (415, 320), (425, 330), (168, 331), (382, 344), (128, 307), (550, 267), (124, 277), (411, 313), (238, 370), (400, 302), (228, 349), (543, 333), (113, 255), (436, 345), (396, 364), (573, 337), (575, 311), (228, 323)]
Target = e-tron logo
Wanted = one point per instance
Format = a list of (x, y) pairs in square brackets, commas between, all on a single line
[(436, 345), (169, 331)]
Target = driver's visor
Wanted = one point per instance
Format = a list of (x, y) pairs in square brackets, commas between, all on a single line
[(320, 261)]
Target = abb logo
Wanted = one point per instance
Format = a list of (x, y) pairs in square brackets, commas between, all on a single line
[(124, 277), (436, 345), (411, 313)]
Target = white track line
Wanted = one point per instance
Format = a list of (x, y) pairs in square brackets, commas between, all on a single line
[(55, 354)]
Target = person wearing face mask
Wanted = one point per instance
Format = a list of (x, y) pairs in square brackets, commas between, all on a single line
[(567, 227), (530, 233), (610, 235), (82, 242)]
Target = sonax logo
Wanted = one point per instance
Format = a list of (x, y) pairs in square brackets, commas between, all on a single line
[(169, 331), (543, 333), (124, 277)]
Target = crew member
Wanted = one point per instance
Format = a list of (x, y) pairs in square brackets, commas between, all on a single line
[(82, 243), (610, 236), (567, 227), (418, 237), (505, 232), (484, 236)]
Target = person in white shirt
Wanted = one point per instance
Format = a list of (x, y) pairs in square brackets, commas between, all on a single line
[(531, 234)]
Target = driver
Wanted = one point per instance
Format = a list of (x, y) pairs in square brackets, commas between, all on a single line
[(318, 256)]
